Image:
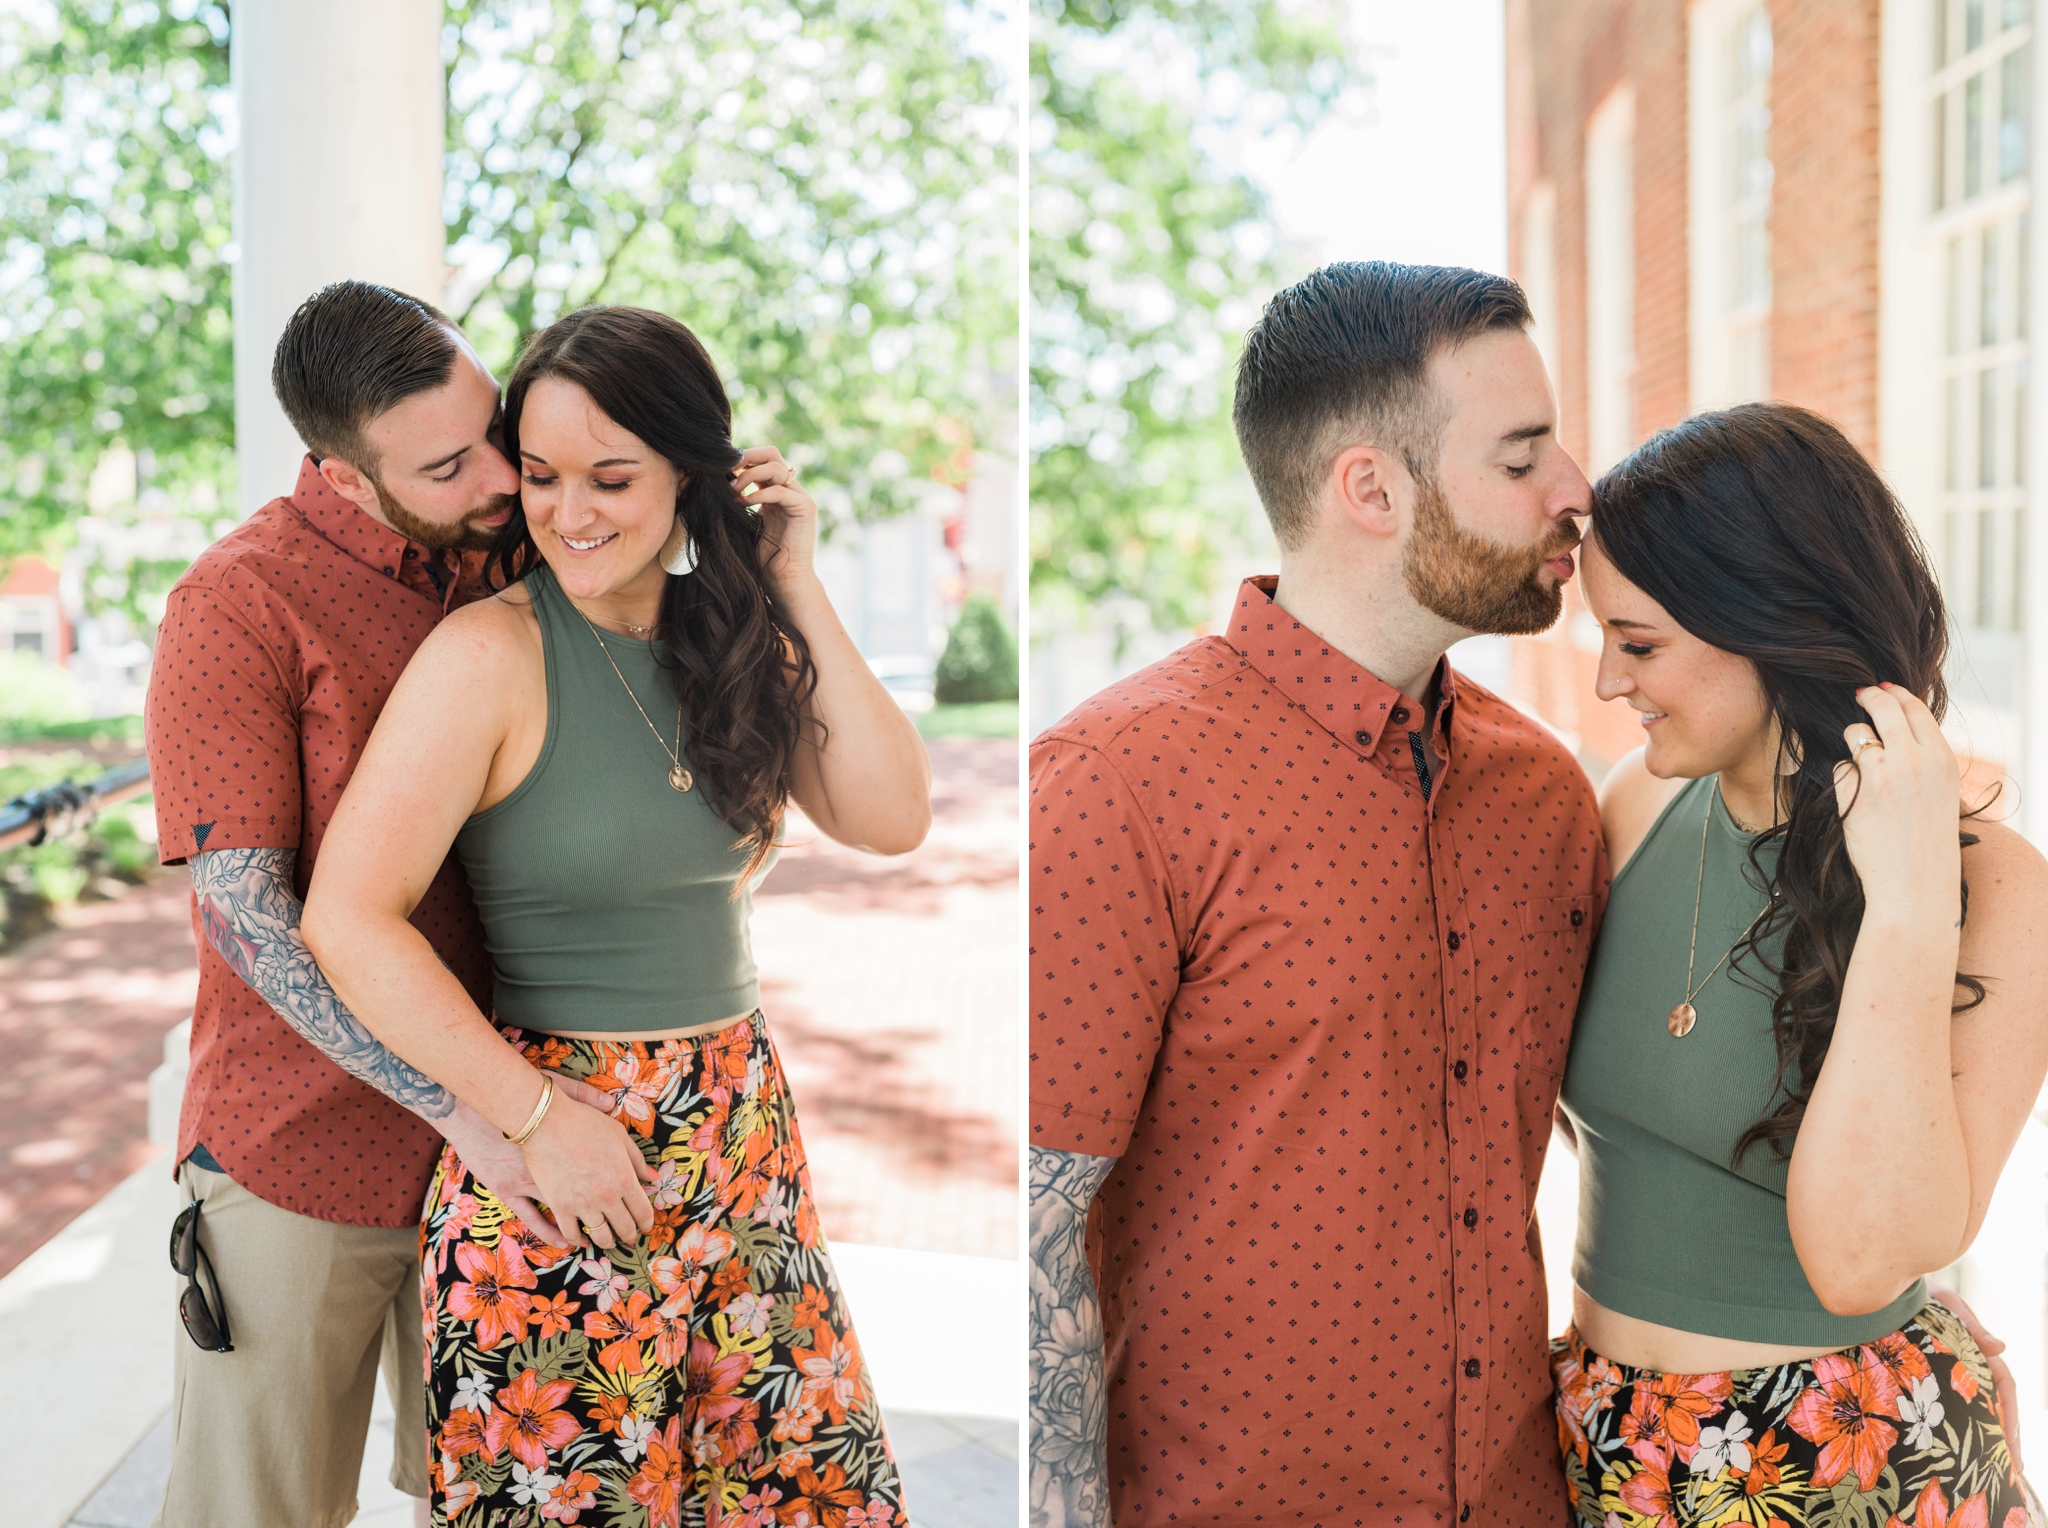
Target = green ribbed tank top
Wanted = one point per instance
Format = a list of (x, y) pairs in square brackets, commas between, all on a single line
[(606, 894), (1668, 1231)]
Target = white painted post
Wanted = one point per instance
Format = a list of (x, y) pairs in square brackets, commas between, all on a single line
[(337, 176)]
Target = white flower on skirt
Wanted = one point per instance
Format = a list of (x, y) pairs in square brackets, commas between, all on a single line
[(634, 1431), (533, 1485), (1921, 1412), (1721, 1447), (473, 1393), (756, 1075), (773, 1208), (610, 1288)]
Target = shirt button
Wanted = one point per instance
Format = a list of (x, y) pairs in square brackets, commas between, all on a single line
[(1458, 1071), (1578, 916), (1471, 1368), (1465, 1512), (1364, 739), (1400, 714), (1455, 939), (1471, 1219), (390, 572)]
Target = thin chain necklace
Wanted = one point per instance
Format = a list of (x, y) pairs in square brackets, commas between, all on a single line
[(1684, 1016), (678, 775)]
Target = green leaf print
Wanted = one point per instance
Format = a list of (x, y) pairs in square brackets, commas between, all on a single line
[(550, 1358), (620, 1510)]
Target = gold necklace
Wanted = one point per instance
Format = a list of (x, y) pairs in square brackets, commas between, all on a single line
[(678, 776), (1684, 1016)]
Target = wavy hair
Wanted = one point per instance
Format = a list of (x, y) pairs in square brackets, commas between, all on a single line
[(741, 668), (1764, 533)]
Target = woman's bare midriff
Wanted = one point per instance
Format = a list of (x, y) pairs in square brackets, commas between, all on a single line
[(1646, 1345), (688, 1033)]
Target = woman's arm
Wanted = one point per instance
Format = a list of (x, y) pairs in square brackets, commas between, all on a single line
[(862, 775), (1916, 1109), (425, 769)]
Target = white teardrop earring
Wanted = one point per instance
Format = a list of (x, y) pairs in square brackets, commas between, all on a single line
[(679, 553)]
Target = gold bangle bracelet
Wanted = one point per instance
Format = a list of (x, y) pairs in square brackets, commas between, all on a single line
[(540, 1110)]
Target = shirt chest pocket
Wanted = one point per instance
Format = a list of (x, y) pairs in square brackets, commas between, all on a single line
[(1557, 937)]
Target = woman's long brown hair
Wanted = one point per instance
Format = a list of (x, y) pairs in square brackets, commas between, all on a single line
[(741, 669), (1764, 532)]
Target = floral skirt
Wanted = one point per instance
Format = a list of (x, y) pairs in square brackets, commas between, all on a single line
[(707, 1375), (1901, 1431)]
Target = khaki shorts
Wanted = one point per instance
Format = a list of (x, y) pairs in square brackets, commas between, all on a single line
[(271, 1435)]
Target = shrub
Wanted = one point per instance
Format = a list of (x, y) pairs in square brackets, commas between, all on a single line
[(980, 661)]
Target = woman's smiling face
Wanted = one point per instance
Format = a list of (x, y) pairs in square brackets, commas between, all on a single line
[(599, 501), (1702, 709)]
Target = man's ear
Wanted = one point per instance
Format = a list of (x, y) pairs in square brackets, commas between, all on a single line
[(352, 483), (1366, 484)]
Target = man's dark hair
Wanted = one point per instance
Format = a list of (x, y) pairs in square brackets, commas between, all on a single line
[(1341, 358), (352, 351)]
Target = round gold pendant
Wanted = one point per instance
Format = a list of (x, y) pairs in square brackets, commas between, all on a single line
[(1682, 1019), (679, 777)]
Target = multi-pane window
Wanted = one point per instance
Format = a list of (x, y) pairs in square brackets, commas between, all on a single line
[(1747, 129), (1981, 122)]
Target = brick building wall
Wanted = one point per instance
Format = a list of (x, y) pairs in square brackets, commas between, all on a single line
[(1565, 58)]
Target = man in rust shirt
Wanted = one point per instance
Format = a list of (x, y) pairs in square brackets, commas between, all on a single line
[(1309, 913), (304, 1144)]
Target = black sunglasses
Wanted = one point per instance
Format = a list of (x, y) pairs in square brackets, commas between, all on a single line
[(205, 1316)]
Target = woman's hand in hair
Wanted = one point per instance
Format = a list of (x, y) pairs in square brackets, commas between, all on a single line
[(789, 516), (1900, 804)]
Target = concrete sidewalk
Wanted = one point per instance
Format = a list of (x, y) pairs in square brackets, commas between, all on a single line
[(87, 1328)]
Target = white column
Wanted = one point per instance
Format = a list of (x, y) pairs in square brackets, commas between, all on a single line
[(338, 176)]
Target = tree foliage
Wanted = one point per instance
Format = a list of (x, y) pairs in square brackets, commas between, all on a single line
[(1148, 260), (825, 190), (115, 221)]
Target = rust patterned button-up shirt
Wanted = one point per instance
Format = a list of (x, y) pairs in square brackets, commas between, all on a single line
[(275, 655), (1319, 1014)]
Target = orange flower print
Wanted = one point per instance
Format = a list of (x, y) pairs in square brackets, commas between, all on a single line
[(726, 1053), (1648, 1491), (551, 1314), (605, 1415), (1932, 1510), (635, 1085), (1963, 1381), (681, 1277), (576, 1494), (823, 1499), (526, 1420), (730, 1282), (809, 1233), (622, 1329), (671, 1334), (721, 1420), (810, 1310), (1900, 1359), (460, 1494), (831, 1372), (658, 1484), (1845, 1412), (1664, 1415), (462, 1435), (493, 1297), (1764, 1461), (794, 1422), (875, 1514)]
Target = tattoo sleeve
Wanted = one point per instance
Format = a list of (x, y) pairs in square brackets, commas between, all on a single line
[(251, 917), (1069, 1384)]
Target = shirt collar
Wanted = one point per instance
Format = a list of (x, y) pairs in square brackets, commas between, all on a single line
[(376, 545), (1354, 704)]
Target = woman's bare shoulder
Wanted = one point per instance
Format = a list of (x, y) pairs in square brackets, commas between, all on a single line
[(1631, 799), (485, 637)]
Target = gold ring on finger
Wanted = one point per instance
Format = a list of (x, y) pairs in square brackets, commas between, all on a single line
[(1864, 746)]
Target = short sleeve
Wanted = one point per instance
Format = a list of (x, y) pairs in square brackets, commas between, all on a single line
[(1105, 952), (222, 727)]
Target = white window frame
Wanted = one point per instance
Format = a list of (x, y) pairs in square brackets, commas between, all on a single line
[(1610, 279), (1725, 366)]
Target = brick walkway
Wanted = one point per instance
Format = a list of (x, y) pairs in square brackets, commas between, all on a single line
[(891, 986)]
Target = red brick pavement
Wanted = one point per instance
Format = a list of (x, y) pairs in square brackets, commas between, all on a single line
[(83, 1012), (890, 985)]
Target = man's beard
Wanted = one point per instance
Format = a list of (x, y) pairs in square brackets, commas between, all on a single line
[(465, 535), (1478, 584)]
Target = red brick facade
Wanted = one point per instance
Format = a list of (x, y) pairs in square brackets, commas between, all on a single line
[(1565, 58)]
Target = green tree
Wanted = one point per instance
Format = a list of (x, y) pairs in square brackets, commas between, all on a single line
[(823, 189), (115, 221), (1148, 260)]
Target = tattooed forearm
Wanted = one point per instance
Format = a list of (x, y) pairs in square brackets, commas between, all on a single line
[(251, 916), (1069, 1402)]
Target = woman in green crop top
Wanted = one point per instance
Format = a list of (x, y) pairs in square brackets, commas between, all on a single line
[(609, 746), (1789, 1106)]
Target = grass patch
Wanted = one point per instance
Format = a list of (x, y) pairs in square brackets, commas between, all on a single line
[(92, 732), (988, 718)]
